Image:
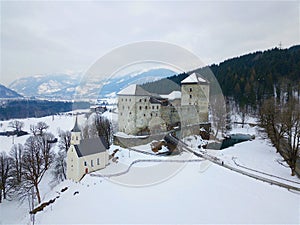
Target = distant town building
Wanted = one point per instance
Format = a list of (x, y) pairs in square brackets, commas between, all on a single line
[(141, 112), (85, 156)]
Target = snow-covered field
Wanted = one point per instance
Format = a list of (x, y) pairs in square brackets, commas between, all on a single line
[(166, 192)]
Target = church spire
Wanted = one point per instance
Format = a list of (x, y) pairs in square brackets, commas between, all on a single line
[(76, 127)]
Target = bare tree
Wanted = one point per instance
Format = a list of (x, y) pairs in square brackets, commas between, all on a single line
[(16, 125), (60, 165), (16, 155), (36, 160), (5, 173), (218, 112), (65, 140), (39, 129)]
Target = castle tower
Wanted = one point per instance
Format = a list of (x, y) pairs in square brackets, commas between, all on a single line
[(195, 97), (75, 134)]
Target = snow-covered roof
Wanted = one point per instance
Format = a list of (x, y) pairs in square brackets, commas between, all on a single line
[(134, 89), (194, 78), (173, 95)]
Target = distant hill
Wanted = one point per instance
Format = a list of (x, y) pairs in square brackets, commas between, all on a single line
[(248, 78), (8, 93), (63, 86)]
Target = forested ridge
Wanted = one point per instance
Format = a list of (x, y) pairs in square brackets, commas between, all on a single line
[(250, 78)]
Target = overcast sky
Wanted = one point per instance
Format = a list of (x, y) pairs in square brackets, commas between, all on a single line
[(50, 37)]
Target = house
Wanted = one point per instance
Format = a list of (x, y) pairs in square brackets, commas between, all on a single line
[(85, 155), (142, 112)]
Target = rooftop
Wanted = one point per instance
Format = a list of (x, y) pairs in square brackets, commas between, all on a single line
[(194, 78), (134, 89), (91, 146)]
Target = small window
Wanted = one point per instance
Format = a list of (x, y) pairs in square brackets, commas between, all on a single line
[(156, 114), (140, 107), (151, 114), (153, 107), (85, 164), (98, 161), (121, 114), (146, 107), (191, 96), (129, 113), (122, 99), (157, 107), (140, 100), (145, 100), (71, 165), (76, 138), (128, 107), (125, 99), (130, 99), (191, 89), (144, 115), (73, 138), (92, 163), (123, 107)]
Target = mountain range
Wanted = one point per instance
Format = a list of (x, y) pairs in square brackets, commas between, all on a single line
[(8, 93), (64, 86)]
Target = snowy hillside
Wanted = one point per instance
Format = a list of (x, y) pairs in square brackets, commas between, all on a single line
[(194, 192)]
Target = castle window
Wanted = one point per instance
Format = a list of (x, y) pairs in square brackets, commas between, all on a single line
[(98, 161), (122, 99), (151, 114), (191, 96), (128, 107), (144, 115), (146, 107), (92, 163), (156, 114), (191, 89), (153, 107), (85, 164), (140, 107), (140, 100), (123, 107), (76, 138), (130, 99), (121, 114), (145, 100), (157, 107), (129, 113), (125, 99)]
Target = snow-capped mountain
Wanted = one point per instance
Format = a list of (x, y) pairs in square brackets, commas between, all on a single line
[(64, 86), (8, 93)]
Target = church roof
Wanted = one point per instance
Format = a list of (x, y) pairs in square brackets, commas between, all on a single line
[(76, 127), (91, 146), (194, 78), (134, 89)]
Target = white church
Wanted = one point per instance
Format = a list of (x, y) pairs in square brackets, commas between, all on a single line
[(141, 112)]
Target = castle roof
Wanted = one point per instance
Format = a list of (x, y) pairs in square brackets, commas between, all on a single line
[(76, 127), (134, 89), (194, 78), (91, 146)]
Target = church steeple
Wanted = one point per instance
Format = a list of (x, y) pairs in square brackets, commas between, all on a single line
[(75, 134)]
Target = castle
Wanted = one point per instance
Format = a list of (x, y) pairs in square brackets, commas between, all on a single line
[(141, 112)]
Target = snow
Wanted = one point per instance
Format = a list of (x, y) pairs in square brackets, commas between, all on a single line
[(164, 192), (173, 95), (193, 78), (130, 90), (124, 135)]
